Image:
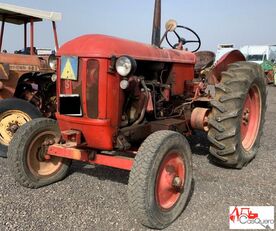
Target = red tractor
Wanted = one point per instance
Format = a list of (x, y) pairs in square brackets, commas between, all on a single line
[(248, 214), (129, 105), (243, 215)]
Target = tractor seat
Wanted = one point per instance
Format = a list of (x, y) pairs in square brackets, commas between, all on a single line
[(204, 59)]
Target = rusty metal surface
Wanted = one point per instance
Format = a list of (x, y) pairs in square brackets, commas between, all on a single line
[(222, 64), (199, 119), (55, 34), (19, 59), (178, 125), (204, 59), (90, 156), (26, 63), (137, 132), (8, 86), (178, 76), (4, 71), (72, 136), (155, 40), (13, 66)]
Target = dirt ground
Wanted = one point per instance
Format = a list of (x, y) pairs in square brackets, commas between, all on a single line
[(95, 198)]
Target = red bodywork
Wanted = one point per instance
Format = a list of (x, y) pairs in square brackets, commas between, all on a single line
[(103, 46), (86, 136), (222, 64), (100, 133)]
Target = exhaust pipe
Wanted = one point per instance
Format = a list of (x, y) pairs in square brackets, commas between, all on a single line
[(155, 40)]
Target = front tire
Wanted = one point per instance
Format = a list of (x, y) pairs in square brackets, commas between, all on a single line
[(160, 180), (13, 114), (26, 154), (237, 117)]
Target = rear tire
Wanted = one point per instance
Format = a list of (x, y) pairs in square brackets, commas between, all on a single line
[(160, 180), (13, 114), (27, 151), (237, 117)]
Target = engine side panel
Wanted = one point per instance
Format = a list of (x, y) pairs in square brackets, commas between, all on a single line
[(178, 75)]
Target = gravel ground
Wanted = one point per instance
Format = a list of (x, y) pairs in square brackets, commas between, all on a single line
[(95, 198)]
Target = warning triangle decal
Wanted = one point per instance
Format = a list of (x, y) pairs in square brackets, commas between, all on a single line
[(68, 72)]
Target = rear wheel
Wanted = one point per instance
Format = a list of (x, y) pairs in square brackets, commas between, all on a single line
[(237, 117), (160, 180), (13, 114), (27, 158)]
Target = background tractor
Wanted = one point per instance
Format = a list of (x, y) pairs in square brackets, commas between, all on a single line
[(129, 105), (27, 76), (265, 55)]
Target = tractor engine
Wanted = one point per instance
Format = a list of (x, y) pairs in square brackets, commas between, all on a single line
[(148, 95)]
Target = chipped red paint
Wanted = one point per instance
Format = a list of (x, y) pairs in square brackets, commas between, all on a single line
[(102, 46), (199, 118), (171, 168), (222, 64), (120, 162)]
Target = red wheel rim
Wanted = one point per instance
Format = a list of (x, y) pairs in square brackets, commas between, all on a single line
[(251, 117), (170, 180)]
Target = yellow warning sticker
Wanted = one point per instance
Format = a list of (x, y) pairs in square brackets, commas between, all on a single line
[(69, 67)]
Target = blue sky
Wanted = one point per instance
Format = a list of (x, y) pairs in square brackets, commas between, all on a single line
[(241, 22)]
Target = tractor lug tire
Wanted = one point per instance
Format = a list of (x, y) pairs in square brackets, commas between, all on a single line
[(156, 161), (24, 161), (241, 85)]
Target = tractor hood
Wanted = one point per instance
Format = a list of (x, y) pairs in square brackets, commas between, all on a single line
[(102, 46)]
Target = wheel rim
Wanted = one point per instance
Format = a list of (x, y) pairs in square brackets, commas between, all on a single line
[(37, 164), (10, 121), (170, 180), (251, 117)]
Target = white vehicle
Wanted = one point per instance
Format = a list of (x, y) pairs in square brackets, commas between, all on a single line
[(223, 49), (259, 54)]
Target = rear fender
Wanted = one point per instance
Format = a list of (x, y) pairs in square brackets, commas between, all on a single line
[(214, 75)]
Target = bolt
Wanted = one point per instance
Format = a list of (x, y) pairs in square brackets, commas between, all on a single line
[(13, 127), (177, 182), (245, 118)]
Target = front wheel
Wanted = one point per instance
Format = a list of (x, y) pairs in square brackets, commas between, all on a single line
[(13, 114), (160, 180), (27, 154)]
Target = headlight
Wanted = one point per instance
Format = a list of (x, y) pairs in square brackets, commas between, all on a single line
[(125, 65), (52, 62)]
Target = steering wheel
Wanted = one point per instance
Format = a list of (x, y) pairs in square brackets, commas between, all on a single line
[(184, 41)]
